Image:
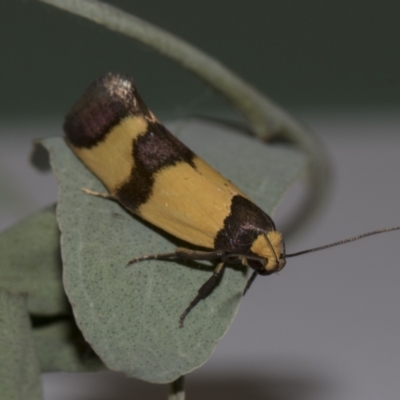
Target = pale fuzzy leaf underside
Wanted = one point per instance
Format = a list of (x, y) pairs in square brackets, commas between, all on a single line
[(130, 315)]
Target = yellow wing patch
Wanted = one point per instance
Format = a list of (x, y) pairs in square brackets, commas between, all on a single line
[(190, 203), (111, 159)]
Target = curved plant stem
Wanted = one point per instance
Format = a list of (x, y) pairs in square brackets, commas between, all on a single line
[(177, 389), (267, 120)]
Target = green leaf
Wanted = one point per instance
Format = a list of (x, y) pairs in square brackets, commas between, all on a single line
[(130, 315), (19, 367), (60, 346), (30, 263)]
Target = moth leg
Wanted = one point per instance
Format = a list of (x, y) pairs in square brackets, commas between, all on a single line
[(250, 281), (162, 256), (204, 291), (181, 254), (98, 194)]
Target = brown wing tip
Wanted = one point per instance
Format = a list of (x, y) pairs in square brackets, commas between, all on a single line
[(103, 105)]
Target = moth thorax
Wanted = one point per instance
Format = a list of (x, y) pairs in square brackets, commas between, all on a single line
[(270, 247)]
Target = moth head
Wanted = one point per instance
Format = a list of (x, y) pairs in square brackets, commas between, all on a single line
[(270, 247)]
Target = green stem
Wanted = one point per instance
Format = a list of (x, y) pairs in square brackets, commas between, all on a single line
[(267, 120), (177, 389)]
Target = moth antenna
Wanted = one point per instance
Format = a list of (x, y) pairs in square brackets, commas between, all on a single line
[(344, 241)]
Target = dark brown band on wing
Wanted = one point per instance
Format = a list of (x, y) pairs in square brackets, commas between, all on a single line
[(152, 151), (105, 102), (242, 226)]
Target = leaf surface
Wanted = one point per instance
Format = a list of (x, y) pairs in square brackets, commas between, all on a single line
[(130, 315), (30, 263), (61, 347), (19, 367)]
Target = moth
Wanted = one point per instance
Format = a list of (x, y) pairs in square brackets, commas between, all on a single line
[(156, 177)]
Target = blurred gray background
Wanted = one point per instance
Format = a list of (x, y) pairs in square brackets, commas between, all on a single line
[(304, 54), (327, 327)]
